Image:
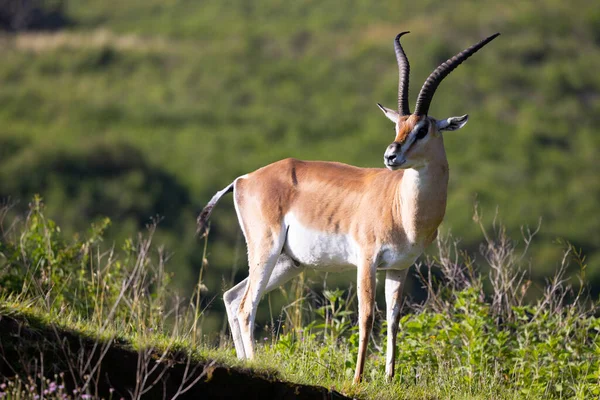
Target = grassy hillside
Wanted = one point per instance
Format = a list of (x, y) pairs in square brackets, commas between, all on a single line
[(78, 320), (141, 108)]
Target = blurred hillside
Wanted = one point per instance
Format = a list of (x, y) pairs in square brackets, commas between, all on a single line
[(144, 107)]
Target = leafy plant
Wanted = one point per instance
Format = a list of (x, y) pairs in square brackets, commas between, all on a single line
[(546, 348)]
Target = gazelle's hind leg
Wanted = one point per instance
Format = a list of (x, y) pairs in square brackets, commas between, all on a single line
[(258, 205), (262, 258), (284, 270), (232, 299)]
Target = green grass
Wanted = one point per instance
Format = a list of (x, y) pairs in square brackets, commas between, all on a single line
[(462, 342)]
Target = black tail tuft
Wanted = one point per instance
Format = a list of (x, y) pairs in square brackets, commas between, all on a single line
[(202, 220)]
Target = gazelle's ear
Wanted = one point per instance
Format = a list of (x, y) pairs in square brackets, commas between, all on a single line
[(452, 123), (391, 114)]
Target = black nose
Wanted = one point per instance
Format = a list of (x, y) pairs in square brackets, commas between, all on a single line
[(390, 158)]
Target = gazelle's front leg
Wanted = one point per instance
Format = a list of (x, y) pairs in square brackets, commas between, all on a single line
[(394, 283), (365, 285)]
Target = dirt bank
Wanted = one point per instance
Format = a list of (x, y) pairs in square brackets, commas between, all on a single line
[(28, 347)]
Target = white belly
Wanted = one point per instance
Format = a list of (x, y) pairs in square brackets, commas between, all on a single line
[(319, 250), (339, 252)]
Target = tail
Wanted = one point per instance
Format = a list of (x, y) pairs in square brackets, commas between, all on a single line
[(202, 220)]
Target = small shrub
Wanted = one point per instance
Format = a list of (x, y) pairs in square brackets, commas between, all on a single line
[(78, 276)]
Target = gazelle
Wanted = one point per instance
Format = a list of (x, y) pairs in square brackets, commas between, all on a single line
[(331, 216)]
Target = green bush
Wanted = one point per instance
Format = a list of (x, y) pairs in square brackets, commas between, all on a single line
[(80, 275)]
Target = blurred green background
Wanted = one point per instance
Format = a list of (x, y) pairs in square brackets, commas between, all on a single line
[(137, 108)]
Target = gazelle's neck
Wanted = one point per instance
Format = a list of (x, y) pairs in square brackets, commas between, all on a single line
[(423, 191)]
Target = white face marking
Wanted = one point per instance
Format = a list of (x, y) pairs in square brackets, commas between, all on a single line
[(319, 250), (402, 160), (412, 136)]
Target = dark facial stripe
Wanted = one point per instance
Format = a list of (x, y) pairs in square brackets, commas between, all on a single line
[(422, 132)]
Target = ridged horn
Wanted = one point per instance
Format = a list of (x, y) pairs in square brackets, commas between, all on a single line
[(404, 75), (436, 77)]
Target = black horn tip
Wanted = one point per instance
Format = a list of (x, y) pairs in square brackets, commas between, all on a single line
[(398, 36), (492, 37)]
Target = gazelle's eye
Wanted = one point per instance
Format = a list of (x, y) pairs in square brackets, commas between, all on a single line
[(422, 131)]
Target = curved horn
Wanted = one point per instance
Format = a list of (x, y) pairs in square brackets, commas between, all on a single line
[(403, 78), (436, 77)]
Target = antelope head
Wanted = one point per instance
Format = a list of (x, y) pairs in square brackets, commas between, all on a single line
[(418, 136)]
